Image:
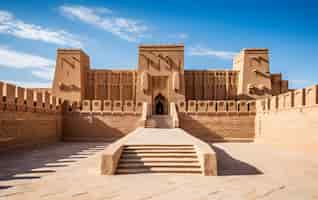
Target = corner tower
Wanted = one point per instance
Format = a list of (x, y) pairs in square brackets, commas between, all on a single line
[(254, 75), (70, 74)]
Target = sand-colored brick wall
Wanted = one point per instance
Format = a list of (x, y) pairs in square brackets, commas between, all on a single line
[(28, 129), (295, 129), (111, 84), (28, 117), (97, 120), (218, 120), (223, 127), (291, 126), (98, 126), (210, 85)]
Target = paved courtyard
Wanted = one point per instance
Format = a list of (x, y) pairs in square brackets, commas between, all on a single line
[(71, 171)]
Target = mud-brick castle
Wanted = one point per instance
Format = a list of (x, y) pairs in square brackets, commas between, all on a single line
[(87, 104), (161, 79)]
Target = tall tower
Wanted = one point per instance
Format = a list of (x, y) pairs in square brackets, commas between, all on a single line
[(70, 74), (254, 74), (160, 74)]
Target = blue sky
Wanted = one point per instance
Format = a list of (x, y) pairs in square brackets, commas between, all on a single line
[(110, 32)]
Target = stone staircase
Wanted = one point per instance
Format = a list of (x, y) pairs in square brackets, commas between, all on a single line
[(158, 159), (159, 121)]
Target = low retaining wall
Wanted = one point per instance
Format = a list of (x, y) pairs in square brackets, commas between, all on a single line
[(98, 126), (96, 120), (214, 128), (27, 129), (214, 121)]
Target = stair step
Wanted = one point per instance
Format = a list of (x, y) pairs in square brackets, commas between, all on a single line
[(158, 155), (133, 151), (158, 170), (159, 148), (158, 145), (175, 160), (158, 164), (154, 158)]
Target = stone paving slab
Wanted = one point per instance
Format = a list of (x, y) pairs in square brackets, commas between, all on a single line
[(161, 136), (71, 171)]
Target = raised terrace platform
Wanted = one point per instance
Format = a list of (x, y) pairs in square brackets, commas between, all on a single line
[(149, 150), (68, 171)]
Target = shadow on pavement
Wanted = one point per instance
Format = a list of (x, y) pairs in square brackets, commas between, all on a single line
[(35, 163), (229, 166)]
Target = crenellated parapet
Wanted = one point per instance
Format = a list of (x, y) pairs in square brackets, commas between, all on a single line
[(296, 99), (217, 107), (18, 99), (289, 120), (219, 120), (105, 107), (28, 117)]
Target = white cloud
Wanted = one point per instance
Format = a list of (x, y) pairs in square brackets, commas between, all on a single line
[(15, 27), (44, 73), (27, 84), (124, 28), (15, 59), (179, 36), (40, 67), (201, 51)]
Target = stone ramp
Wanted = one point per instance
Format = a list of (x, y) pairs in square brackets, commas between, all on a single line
[(151, 150)]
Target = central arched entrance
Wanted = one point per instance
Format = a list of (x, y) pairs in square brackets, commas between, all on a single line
[(160, 105)]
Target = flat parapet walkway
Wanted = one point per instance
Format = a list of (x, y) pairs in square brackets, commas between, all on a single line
[(155, 138), (159, 136)]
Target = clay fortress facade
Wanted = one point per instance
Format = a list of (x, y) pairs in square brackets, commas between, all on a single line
[(161, 74), (247, 103)]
